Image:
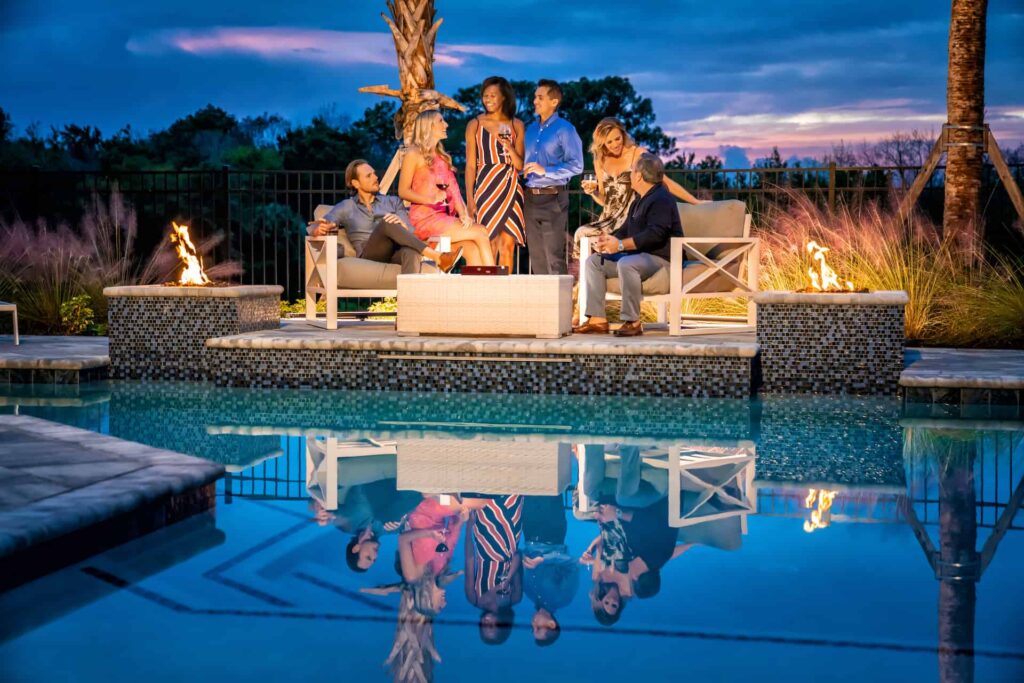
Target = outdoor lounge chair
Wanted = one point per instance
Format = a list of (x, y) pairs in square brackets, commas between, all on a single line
[(716, 258), (333, 271), (13, 310)]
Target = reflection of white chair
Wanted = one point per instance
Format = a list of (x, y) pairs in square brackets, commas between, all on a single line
[(13, 310), (331, 463), (721, 478)]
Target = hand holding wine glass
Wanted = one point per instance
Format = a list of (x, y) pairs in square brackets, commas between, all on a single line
[(505, 139), (589, 183)]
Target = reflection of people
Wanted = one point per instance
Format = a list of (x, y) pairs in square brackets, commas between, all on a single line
[(429, 183), (494, 581), (554, 154), (609, 556), (634, 252), (367, 511), (494, 154), (652, 543), (551, 575)]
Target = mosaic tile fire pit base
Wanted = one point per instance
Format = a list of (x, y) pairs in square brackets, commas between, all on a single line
[(159, 332), (831, 343)]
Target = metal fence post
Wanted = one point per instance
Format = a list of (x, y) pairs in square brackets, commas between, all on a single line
[(224, 215), (832, 186)]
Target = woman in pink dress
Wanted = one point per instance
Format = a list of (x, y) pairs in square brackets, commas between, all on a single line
[(428, 183), (425, 551)]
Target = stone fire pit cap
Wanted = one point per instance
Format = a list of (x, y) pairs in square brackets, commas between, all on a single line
[(880, 298), (234, 292)]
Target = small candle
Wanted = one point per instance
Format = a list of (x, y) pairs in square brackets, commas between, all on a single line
[(445, 499), (444, 244)]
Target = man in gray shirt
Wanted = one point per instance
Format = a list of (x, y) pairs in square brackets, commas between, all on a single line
[(377, 225)]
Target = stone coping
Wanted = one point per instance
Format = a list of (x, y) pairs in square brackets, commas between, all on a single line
[(880, 298), (471, 432), (302, 335), (962, 423), (964, 368), (55, 353), (125, 476), (233, 292)]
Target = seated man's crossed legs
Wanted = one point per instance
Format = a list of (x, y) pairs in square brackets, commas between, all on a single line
[(392, 242), (631, 271)]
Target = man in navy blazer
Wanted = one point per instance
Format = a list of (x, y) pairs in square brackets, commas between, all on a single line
[(634, 252)]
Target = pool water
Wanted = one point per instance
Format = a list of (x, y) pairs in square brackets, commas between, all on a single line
[(796, 538)]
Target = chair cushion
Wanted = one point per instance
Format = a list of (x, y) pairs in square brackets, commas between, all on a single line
[(360, 273), (713, 219), (659, 282)]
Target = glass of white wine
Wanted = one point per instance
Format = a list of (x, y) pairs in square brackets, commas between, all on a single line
[(589, 183)]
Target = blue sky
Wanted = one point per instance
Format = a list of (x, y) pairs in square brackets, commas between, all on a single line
[(800, 74)]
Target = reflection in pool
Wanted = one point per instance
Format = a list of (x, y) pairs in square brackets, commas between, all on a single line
[(417, 538)]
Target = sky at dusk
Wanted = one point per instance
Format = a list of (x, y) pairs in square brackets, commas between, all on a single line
[(731, 78)]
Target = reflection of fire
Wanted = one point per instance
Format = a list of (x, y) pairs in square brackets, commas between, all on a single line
[(192, 272), (821, 516), (824, 279)]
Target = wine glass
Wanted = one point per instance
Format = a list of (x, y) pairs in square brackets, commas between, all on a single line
[(442, 547), (443, 186), (589, 182), (505, 133)]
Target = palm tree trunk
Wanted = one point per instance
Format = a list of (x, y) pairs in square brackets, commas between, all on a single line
[(957, 542), (965, 104)]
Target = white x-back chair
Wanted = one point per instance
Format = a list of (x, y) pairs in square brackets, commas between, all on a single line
[(715, 259), (13, 310)]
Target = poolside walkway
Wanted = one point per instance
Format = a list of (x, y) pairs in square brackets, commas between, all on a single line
[(66, 493)]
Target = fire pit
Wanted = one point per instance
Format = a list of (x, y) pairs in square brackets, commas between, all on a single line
[(831, 338), (160, 331)]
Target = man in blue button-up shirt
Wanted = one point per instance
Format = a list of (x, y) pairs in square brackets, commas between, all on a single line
[(554, 154)]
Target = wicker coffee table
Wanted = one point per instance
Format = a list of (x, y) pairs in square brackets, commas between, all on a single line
[(485, 305)]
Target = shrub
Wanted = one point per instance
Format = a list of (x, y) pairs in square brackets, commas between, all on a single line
[(76, 315)]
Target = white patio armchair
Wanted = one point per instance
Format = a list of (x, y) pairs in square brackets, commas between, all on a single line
[(715, 259)]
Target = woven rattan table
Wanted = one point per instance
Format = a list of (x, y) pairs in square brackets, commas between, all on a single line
[(485, 305)]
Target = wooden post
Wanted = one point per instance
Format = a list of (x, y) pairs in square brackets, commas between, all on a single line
[(832, 186), (1012, 189), (910, 198)]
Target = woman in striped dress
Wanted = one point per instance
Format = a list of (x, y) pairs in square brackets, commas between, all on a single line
[(494, 157), (494, 580)]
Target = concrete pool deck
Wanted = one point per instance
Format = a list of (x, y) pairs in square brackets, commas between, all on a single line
[(67, 493)]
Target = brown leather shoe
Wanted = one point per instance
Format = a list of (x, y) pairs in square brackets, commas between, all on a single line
[(630, 329), (449, 260), (591, 328)]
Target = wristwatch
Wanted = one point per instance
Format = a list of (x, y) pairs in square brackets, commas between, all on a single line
[(622, 247)]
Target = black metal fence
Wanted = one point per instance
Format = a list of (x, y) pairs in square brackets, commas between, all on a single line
[(262, 215)]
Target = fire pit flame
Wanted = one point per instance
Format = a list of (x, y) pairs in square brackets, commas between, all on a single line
[(821, 514), (824, 279), (192, 272)]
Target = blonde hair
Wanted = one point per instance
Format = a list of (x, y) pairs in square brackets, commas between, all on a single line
[(605, 128), (422, 132)]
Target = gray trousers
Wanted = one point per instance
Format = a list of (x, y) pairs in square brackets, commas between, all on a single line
[(390, 243), (631, 271), (547, 216)]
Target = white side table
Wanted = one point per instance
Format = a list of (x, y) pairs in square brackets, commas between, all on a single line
[(485, 305), (13, 310)]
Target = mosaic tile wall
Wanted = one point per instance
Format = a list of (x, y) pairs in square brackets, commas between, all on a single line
[(854, 441), (284, 408), (44, 376), (830, 349), (163, 337), (693, 376), (966, 403)]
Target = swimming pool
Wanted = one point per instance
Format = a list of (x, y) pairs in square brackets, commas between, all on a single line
[(771, 581)]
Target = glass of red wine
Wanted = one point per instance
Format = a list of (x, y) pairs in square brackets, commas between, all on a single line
[(443, 186), (442, 547), (505, 133)]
